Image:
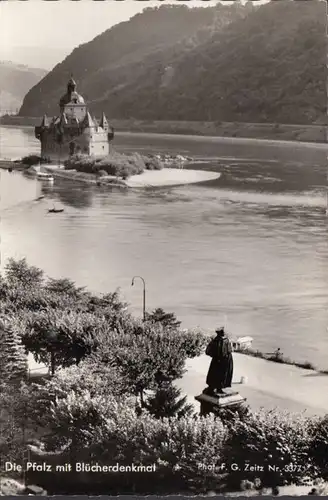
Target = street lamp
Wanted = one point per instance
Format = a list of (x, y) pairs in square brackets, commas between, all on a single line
[(144, 295)]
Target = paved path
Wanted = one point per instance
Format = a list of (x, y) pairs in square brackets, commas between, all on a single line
[(268, 384)]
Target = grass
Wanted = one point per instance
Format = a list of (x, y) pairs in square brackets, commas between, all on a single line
[(280, 358)]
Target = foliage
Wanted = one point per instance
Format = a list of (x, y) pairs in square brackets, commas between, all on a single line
[(108, 430), (69, 335), (166, 319), (167, 402), (175, 63), (18, 272), (13, 362), (149, 355), (116, 164), (319, 445), (274, 439), (86, 380), (31, 160), (278, 357)]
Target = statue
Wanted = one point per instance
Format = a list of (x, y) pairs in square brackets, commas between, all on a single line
[(221, 368)]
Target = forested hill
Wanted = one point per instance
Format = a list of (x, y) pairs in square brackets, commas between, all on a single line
[(223, 63)]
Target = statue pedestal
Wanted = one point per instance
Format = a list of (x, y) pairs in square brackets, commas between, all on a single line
[(228, 399)]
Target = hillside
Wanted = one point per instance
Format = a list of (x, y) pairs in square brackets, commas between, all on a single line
[(223, 63), (15, 81)]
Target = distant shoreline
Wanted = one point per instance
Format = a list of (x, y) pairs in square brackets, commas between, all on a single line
[(269, 131)]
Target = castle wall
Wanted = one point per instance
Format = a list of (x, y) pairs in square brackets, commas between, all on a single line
[(99, 145), (60, 152), (92, 141)]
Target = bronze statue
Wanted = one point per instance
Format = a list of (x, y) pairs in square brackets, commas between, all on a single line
[(221, 368)]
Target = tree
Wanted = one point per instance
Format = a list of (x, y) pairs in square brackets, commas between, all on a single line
[(13, 359), (148, 354), (167, 402), (19, 273), (64, 286), (69, 336), (168, 320)]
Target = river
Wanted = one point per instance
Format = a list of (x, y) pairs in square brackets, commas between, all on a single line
[(248, 250)]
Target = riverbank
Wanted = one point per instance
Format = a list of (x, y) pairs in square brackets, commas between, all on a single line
[(301, 389), (273, 131)]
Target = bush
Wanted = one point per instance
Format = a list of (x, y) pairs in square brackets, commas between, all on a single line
[(319, 446), (107, 431), (116, 164), (278, 441), (32, 160)]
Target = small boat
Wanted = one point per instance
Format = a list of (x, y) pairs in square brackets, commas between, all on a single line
[(39, 198), (55, 210), (44, 176)]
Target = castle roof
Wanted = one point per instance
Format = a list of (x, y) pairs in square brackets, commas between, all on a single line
[(103, 121), (88, 121), (71, 96), (45, 121), (63, 119)]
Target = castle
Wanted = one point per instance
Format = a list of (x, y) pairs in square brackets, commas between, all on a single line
[(74, 130)]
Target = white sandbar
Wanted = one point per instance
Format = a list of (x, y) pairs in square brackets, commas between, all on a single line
[(170, 177)]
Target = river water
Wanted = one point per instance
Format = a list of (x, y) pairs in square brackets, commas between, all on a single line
[(248, 250)]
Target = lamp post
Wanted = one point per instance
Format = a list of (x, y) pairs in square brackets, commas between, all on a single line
[(144, 295)]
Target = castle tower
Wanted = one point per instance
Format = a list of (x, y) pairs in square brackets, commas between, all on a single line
[(73, 130)]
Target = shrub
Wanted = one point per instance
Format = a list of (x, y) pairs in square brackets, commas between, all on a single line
[(319, 445), (152, 163), (107, 431), (32, 160), (116, 164), (277, 440)]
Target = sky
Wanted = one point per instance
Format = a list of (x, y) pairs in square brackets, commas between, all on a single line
[(41, 33)]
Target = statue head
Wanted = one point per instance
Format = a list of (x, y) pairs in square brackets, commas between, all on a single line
[(220, 331)]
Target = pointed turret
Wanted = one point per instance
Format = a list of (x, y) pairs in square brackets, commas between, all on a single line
[(63, 119), (88, 121), (104, 122), (45, 122)]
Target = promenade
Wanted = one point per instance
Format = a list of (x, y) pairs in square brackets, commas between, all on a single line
[(267, 384)]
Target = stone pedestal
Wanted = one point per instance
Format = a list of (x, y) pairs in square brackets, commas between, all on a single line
[(228, 399)]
